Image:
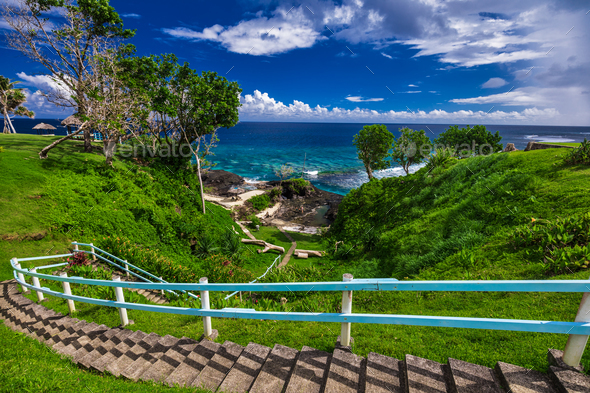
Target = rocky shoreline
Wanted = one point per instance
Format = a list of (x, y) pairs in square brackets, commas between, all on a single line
[(313, 207)]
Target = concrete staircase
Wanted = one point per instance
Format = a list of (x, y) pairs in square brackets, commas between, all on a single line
[(230, 367)]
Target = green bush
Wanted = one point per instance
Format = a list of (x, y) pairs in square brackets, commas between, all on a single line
[(297, 186), (260, 202), (275, 193), (469, 140), (579, 154), (441, 157), (254, 221), (563, 242)]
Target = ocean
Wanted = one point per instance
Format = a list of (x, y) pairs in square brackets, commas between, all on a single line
[(255, 150)]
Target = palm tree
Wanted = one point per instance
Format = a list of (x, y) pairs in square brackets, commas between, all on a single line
[(11, 100)]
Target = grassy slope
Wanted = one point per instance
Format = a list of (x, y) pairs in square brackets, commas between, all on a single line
[(483, 347)]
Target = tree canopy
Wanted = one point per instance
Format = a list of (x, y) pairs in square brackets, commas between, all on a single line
[(373, 143), (11, 100), (470, 140), (412, 147)]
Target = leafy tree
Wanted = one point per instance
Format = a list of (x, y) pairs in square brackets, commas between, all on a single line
[(11, 100), (412, 147), (64, 50), (470, 140), (372, 144)]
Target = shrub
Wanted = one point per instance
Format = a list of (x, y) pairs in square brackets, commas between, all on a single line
[(469, 140), (219, 269), (297, 186), (275, 193), (254, 221), (579, 155), (563, 242), (206, 246), (442, 156), (260, 202), (78, 259)]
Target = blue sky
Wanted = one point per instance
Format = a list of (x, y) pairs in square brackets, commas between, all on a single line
[(430, 61)]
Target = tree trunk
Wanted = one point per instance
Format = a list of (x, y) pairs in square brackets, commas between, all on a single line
[(200, 182), (369, 172), (43, 153), (11, 125), (109, 150), (6, 122)]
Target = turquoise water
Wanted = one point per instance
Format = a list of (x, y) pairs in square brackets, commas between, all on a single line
[(255, 150)]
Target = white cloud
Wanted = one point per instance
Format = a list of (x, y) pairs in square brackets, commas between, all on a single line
[(131, 15), (412, 86), (260, 106), (261, 36), (386, 55), (45, 82), (361, 99), (493, 83), (411, 91)]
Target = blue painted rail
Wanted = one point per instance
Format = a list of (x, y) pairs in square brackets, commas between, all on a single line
[(578, 329)]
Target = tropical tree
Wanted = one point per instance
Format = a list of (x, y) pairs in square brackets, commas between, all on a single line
[(412, 147), (284, 172), (469, 140), (65, 49), (11, 100), (373, 143)]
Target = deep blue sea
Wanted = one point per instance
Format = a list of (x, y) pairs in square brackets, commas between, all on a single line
[(255, 150)]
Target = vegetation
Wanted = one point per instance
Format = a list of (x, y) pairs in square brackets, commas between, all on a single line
[(373, 144), (579, 154), (284, 172), (441, 157), (260, 202), (469, 140), (411, 148), (11, 103)]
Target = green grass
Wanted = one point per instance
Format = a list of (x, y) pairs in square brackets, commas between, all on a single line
[(564, 143), (426, 220)]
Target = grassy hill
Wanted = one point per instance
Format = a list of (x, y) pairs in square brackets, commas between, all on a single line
[(457, 222)]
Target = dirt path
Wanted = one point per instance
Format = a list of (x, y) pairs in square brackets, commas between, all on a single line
[(291, 250)]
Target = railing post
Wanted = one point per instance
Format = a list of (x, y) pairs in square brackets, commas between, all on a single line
[(75, 246), (205, 306), (162, 291), (574, 349), (67, 291), (36, 284), (346, 309), (126, 267), (20, 275), (93, 251), (121, 299)]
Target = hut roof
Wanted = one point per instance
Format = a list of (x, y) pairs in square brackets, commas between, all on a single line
[(71, 121), (44, 126)]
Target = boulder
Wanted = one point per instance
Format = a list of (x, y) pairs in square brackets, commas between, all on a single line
[(509, 147)]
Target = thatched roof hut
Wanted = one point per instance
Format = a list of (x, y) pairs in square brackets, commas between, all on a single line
[(43, 126), (72, 120)]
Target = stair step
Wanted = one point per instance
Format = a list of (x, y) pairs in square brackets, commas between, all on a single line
[(310, 371), (102, 363), (424, 376), (246, 369), (158, 346), (133, 354), (217, 368), (521, 380), (104, 348), (66, 330), (383, 374), (92, 340), (169, 361), (44, 326), (345, 372), (194, 363), (555, 358), (71, 344), (569, 381), (472, 378)]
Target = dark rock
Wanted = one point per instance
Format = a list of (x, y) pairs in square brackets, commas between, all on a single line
[(532, 145), (221, 182)]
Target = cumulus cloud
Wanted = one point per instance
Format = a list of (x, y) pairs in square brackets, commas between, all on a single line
[(284, 31), (361, 99), (260, 106), (493, 83), (46, 83)]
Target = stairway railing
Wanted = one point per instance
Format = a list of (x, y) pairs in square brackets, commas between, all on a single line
[(578, 331)]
